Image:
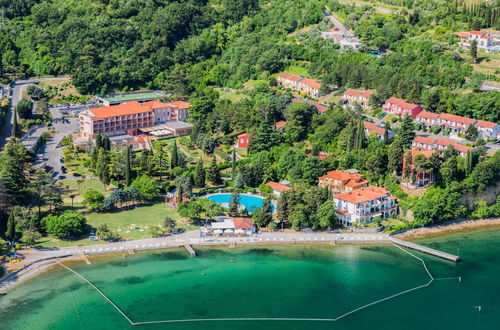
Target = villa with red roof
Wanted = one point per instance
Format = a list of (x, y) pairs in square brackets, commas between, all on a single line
[(277, 188), (488, 130), (289, 80), (371, 127), (339, 182), (486, 41), (456, 124), (423, 176), (297, 83), (362, 205), (401, 108), (428, 119), (354, 96)]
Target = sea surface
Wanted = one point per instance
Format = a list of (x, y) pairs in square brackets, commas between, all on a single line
[(297, 281)]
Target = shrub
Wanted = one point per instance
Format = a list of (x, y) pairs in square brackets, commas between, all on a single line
[(66, 225)]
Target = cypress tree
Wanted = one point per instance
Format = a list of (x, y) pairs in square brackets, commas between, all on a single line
[(386, 133), (360, 139), (106, 144), (102, 166), (180, 192), (14, 124), (213, 174), (11, 227), (128, 170), (233, 163), (98, 142), (175, 155), (200, 177), (473, 51), (469, 163)]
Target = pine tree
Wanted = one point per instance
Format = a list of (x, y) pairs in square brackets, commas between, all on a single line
[(98, 142), (200, 175), (11, 227), (102, 166), (239, 182), (407, 132), (106, 144), (175, 155), (128, 169), (213, 174)]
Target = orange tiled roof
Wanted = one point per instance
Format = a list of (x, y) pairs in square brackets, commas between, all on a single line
[(127, 108), (355, 92), (461, 34), (486, 124), (401, 103), (458, 147), (428, 115), (476, 32), (181, 104), (373, 128), (243, 223), (457, 119), (277, 186), (311, 83), (344, 212), (363, 195), (157, 104), (289, 76), (426, 153), (244, 135), (424, 140), (280, 124)]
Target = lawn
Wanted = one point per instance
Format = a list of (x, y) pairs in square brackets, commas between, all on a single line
[(297, 70), (71, 187), (251, 84), (75, 161), (140, 216), (233, 96)]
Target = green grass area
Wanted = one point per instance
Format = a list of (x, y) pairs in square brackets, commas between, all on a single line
[(75, 161), (232, 96), (84, 186), (298, 70), (251, 84), (132, 96), (140, 216)]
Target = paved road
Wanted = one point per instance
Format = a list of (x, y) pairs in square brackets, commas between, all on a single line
[(15, 97), (338, 24)]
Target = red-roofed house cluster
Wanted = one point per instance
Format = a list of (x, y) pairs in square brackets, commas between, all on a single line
[(339, 182), (440, 145), (354, 96), (488, 41), (297, 83), (458, 124), (423, 175), (133, 117)]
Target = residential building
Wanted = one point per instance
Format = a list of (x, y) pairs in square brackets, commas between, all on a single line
[(354, 96), (456, 124), (362, 205), (401, 108), (230, 227), (488, 130), (380, 131), (243, 140), (244, 226), (350, 44), (427, 143), (321, 107), (428, 119), (487, 41), (277, 188), (310, 86), (423, 176), (280, 125), (289, 80), (339, 182), (133, 118)]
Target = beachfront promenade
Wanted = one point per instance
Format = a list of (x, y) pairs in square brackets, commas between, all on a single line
[(40, 259)]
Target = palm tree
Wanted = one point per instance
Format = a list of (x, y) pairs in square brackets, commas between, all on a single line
[(72, 196)]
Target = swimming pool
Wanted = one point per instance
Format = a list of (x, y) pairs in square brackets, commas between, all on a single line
[(249, 202)]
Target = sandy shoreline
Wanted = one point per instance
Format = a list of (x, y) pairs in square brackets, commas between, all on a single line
[(448, 228)]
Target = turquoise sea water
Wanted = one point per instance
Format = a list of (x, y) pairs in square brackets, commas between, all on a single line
[(270, 281), (249, 202)]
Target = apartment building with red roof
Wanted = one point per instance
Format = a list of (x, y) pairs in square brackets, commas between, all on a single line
[(355, 96), (401, 108), (488, 130), (427, 143), (426, 118), (289, 80), (339, 182), (379, 131), (362, 205), (456, 124), (277, 188), (297, 83), (310, 86), (486, 40)]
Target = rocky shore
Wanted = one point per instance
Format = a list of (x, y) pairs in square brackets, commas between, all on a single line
[(448, 227)]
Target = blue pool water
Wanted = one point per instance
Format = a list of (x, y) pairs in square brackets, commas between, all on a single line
[(249, 202)]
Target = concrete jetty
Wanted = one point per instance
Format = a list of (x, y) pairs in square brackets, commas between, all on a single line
[(426, 249), (190, 249)]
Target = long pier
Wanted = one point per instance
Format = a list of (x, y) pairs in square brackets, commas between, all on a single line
[(190, 249), (425, 249)]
